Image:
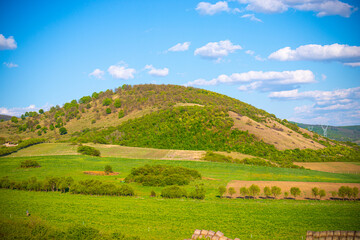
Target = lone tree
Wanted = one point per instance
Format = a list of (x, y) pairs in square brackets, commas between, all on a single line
[(108, 169), (267, 191), (355, 192), (231, 191), (62, 131), (322, 193), (276, 191), (244, 191), (254, 190), (315, 192), (222, 190), (295, 191)]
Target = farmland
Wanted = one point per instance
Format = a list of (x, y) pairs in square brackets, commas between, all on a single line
[(153, 218)]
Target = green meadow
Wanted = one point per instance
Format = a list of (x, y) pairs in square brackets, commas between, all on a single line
[(158, 218)]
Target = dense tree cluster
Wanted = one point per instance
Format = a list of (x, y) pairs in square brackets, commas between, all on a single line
[(87, 150), (162, 175)]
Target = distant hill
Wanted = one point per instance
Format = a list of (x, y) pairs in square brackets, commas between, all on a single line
[(5, 117), (177, 117), (338, 133)]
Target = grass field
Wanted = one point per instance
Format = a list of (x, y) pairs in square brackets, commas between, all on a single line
[(157, 218)]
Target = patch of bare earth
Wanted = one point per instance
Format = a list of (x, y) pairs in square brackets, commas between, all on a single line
[(274, 133), (101, 173), (333, 167), (184, 155), (285, 186)]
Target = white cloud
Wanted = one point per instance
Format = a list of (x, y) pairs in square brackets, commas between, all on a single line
[(250, 52), (180, 47), (157, 72), (335, 52), (251, 17), (206, 8), (338, 107), (353, 64), (121, 72), (323, 77), (97, 73), (217, 50), (263, 81), (7, 43), (321, 7), (18, 111), (10, 65)]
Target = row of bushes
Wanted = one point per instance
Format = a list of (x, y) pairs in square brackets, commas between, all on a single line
[(254, 191), (162, 175), (216, 157), (177, 192), (27, 143), (55, 184), (36, 229)]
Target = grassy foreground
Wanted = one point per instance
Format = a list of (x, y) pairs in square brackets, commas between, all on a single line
[(157, 218), (177, 219)]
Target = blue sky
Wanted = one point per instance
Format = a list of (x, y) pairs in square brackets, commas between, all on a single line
[(298, 59)]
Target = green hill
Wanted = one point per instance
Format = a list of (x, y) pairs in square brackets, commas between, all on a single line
[(177, 117), (338, 133)]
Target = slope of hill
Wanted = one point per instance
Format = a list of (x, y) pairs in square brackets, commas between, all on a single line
[(177, 117), (4, 117), (338, 133)]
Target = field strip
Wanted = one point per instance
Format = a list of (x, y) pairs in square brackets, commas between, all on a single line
[(332, 167), (285, 186)]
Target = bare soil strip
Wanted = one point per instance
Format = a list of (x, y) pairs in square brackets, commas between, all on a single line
[(285, 186), (333, 167)]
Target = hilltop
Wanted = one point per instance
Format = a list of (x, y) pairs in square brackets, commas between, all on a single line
[(177, 117)]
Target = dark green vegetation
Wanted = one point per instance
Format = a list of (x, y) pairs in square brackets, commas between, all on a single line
[(35, 228), (24, 144), (87, 150), (339, 133), (162, 218), (29, 164), (162, 175)]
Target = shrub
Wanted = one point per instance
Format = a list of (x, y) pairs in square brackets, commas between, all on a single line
[(315, 192), (117, 103), (173, 192), (108, 110), (231, 191), (29, 164), (267, 191), (162, 175), (153, 193), (198, 193), (41, 111), (108, 169), (107, 101), (286, 194), (87, 150), (222, 190), (62, 131), (355, 192), (254, 190), (14, 119), (322, 193), (276, 191), (121, 114), (244, 191), (295, 191)]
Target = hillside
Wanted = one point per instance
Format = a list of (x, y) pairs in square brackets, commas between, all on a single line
[(4, 117), (338, 133), (177, 117)]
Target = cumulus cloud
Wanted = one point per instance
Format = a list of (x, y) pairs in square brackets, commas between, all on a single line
[(335, 52), (321, 7), (97, 73), (157, 72), (206, 8), (262, 81), (336, 106), (180, 47), (7, 43), (216, 50), (18, 111), (121, 72), (10, 65)]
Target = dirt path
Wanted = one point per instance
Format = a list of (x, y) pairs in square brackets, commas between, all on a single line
[(305, 187)]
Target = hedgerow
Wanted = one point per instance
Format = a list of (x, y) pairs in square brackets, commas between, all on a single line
[(26, 143)]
